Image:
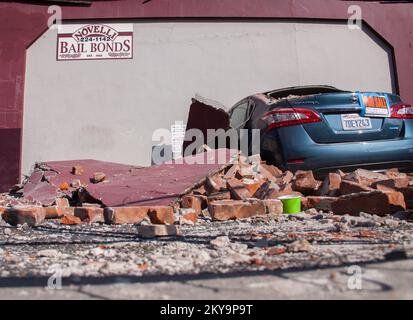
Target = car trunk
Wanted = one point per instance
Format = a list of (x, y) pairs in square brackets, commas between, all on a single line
[(342, 122)]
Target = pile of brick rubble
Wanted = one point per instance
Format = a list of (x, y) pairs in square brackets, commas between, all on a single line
[(244, 188)]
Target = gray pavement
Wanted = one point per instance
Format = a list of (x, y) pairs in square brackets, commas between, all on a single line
[(386, 280)]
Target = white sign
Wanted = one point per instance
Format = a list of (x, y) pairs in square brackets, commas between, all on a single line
[(95, 41), (178, 136)]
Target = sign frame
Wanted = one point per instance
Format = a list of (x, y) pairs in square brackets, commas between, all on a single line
[(68, 31)]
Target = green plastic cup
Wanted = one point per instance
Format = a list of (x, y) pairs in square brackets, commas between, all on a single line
[(291, 204)]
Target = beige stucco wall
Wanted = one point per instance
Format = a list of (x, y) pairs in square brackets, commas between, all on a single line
[(108, 109)]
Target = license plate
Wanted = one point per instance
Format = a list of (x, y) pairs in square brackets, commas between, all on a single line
[(355, 122), (374, 105)]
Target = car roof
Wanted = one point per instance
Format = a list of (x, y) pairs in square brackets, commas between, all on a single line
[(301, 91)]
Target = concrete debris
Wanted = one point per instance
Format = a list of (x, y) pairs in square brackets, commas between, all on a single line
[(220, 242), (50, 253), (100, 250), (76, 184), (157, 230), (301, 245)]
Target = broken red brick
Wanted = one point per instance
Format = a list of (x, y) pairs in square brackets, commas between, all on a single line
[(98, 177), (395, 182), (273, 170), (264, 189), (273, 206), (64, 186), (61, 208), (320, 203), (373, 202), (78, 170), (223, 195), (251, 185), (90, 214), (245, 172), (408, 196), (62, 202), (305, 182), (348, 187), (384, 188), (32, 215), (395, 173), (392, 171), (364, 177), (304, 203), (125, 215), (161, 215), (158, 230), (55, 212), (237, 189), (70, 220), (287, 187), (285, 178), (340, 173), (199, 191), (191, 216), (267, 176), (214, 184), (235, 209), (231, 172), (197, 202), (331, 185)]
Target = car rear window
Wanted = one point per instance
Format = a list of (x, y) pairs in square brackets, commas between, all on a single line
[(302, 91)]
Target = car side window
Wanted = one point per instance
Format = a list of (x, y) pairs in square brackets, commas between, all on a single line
[(239, 115)]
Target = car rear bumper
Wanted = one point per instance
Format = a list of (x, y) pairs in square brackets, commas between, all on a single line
[(293, 143)]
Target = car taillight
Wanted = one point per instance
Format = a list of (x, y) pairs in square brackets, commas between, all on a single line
[(402, 111), (289, 117)]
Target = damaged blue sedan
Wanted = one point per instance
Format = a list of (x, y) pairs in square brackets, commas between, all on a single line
[(322, 128)]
